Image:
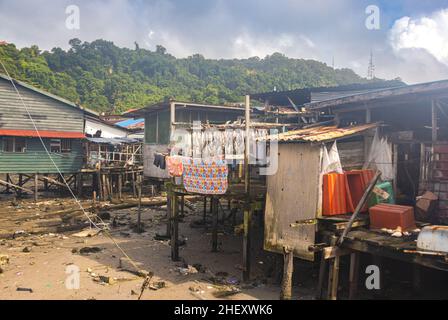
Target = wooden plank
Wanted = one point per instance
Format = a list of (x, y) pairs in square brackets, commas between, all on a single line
[(16, 186), (332, 252)]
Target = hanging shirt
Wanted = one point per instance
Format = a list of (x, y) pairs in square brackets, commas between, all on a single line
[(205, 176), (175, 166)]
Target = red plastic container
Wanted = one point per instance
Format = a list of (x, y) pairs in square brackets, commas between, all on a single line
[(357, 182), (392, 216)]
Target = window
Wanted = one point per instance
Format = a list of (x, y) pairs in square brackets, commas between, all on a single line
[(14, 144), (66, 145), (55, 145)]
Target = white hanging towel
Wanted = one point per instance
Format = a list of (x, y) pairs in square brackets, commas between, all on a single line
[(380, 157), (331, 161)]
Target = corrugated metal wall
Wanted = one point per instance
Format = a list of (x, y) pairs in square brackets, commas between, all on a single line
[(36, 160), (48, 113)]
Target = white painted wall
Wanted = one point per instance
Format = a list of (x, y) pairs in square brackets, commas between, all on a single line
[(107, 131)]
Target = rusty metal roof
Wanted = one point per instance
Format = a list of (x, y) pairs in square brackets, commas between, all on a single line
[(321, 133)]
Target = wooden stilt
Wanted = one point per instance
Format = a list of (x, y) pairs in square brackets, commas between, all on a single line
[(134, 189), (333, 278), (16, 187), (36, 187), (120, 186), (288, 269), (215, 224), (175, 228), (139, 218), (100, 186), (354, 275), (79, 184), (19, 191), (8, 180), (321, 280), (205, 211), (168, 213), (247, 243), (45, 182)]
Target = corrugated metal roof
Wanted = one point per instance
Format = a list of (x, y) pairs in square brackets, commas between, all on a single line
[(42, 133), (321, 133)]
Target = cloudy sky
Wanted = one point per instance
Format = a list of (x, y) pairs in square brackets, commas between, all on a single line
[(411, 42)]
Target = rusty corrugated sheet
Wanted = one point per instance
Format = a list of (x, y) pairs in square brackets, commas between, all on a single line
[(320, 134)]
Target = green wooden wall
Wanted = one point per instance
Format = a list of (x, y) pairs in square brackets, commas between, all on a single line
[(36, 160), (157, 124)]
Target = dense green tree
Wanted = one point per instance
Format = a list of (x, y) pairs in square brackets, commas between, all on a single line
[(104, 77)]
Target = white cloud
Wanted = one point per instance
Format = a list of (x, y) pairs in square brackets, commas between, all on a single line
[(428, 33)]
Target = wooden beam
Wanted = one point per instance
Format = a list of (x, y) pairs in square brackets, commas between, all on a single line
[(354, 275), (15, 186), (288, 269)]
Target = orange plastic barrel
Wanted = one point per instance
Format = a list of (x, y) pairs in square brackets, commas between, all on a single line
[(336, 198)]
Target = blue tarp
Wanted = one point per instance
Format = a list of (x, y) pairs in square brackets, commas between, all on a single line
[(129, 122)]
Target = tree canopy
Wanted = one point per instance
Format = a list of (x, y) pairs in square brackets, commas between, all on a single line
[(103, 77)]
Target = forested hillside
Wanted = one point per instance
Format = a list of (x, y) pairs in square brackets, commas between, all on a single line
[(104, 77)]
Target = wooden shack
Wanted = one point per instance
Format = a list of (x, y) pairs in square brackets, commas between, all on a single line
[(57, 123), (294, 192), (161, 118)]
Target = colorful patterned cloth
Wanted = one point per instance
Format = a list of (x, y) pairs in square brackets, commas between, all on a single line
[(175, 166), (205, 176)]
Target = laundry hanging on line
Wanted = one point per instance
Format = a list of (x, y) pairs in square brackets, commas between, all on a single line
[(205, 176)]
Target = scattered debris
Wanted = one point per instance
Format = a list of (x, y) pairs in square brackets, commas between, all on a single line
[(4, 259), (186, 271), (200, 268), (87, 233), (88, 250), (157, 285), (26, 250)]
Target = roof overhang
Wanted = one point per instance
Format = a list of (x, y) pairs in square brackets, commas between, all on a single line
[(437, 87), (141, 113), (42, 134), (321, 133)]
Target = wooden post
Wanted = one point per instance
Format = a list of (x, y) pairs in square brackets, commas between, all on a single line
[(321, 280), (333, 278), (288, 269), (36, 187), (19, 192), (169, 206), (182, 206), (215, 224), (120, 186), (139, 217), (247, 209), (100, 185), (354, 275), (79, 182), (134, 189), (247, 244), (205, 211), (175, 228), (8, 180)]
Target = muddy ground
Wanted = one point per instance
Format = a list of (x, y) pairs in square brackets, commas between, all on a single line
[(40, 262)]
